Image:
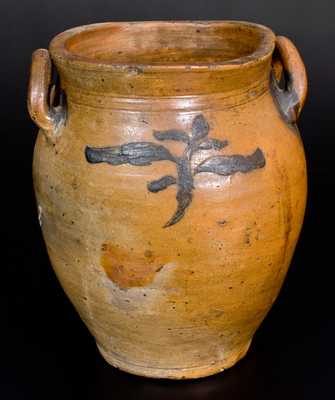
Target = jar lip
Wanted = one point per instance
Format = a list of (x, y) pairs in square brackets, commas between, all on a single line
[(61, 53)]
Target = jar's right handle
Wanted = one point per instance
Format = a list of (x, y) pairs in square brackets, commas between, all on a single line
[(291, 98)]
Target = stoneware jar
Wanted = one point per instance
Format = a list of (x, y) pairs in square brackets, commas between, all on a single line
[(170, 180)]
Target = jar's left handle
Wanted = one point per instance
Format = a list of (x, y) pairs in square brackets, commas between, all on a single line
[(41, 93)]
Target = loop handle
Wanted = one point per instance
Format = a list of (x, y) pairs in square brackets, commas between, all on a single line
[(290, 99), (47, 117)]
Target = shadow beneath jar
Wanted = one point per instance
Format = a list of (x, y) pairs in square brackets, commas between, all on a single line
[(249, 379)]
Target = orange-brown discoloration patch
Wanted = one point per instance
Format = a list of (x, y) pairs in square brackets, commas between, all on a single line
[(129, 269)]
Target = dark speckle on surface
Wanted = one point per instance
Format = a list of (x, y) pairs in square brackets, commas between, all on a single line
[(148, 253), (247, 237), (160, 268), (222, 222)]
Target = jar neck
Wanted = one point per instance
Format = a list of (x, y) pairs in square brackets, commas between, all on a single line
[(135, 82)]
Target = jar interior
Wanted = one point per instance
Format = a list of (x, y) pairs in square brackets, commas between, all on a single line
[(168, 43)]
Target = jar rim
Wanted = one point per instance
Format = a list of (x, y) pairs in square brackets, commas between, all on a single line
[(69, 47)]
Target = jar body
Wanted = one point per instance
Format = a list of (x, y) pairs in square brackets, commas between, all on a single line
[(170, 193), (182, 300)]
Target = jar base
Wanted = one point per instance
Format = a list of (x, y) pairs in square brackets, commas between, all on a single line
[(175, 373)]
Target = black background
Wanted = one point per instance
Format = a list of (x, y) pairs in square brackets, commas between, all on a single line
[(46, 351)]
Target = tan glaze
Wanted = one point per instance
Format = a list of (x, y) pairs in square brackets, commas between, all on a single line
[(171, 185)]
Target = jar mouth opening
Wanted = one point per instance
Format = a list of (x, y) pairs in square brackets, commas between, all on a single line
[(164, 45)]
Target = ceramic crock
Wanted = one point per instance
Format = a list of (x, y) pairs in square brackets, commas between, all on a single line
[(170, 181)]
